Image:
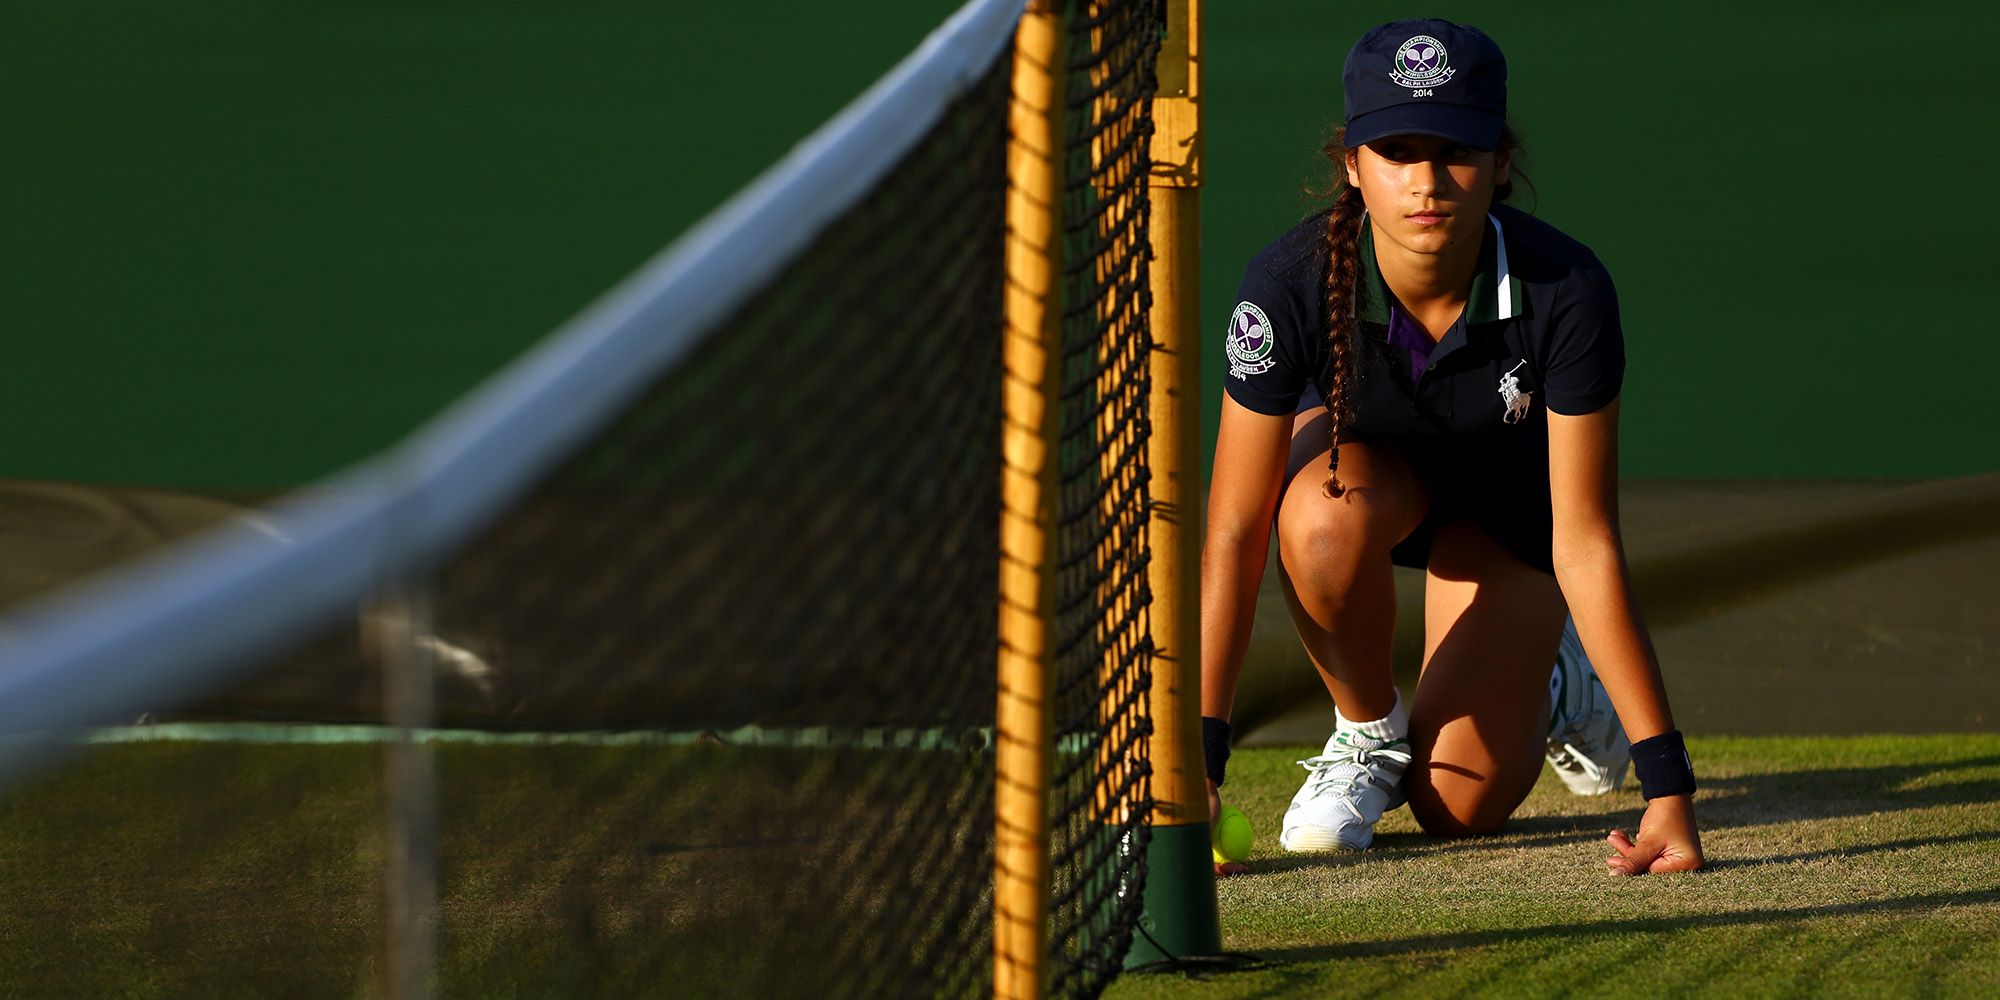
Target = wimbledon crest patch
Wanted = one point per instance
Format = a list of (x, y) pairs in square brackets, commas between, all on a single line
[(1249, 341), (1421, 63)]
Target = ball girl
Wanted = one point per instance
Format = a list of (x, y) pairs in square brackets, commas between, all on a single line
[(1423, 376)]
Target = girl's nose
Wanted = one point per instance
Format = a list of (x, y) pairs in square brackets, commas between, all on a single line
[(1436, 174)]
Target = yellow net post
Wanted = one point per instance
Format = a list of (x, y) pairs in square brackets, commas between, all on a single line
[(1180, 916), (1180, 792), (1031, 360)]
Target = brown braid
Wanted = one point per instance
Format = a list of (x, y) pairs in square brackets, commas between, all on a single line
[(1343, 231), (1343, 308)]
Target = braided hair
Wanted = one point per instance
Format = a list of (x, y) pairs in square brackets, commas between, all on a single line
[(1343, 232), (1343, 291)]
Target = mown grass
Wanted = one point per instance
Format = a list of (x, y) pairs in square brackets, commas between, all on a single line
[(1864, 866), (192, 869), (1839, 866)]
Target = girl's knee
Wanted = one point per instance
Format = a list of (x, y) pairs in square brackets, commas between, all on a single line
[(1362, 525), (1461, 790), (1460, 815)]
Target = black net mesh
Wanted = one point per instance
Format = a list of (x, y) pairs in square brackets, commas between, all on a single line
[(716, 697), (1101, 795), (784, 559), (785, 556)]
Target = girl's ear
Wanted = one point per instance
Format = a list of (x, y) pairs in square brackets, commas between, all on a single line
[(1503, 169), (1350, 161)]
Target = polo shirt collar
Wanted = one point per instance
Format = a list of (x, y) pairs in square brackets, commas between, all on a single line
[(1496, 292)]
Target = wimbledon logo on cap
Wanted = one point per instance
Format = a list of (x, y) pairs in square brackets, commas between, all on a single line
[(1249, 341), (1421, 63)]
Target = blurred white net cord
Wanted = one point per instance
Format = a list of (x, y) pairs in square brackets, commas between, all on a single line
[(190, 619)]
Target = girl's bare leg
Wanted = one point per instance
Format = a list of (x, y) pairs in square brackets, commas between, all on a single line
[(1333, 558), (1480, 717)]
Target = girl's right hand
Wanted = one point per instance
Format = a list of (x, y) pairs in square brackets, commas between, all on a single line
[(1668, 840), (1223, 869)]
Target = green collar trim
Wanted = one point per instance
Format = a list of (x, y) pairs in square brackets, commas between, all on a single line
[(1495, 295)]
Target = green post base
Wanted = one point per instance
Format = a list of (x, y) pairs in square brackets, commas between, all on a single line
[(1180, 912)]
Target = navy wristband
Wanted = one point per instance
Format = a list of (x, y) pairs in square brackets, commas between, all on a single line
[(1214, 747), (1663, 766)]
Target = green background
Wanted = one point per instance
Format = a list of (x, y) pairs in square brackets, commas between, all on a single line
[(250, 242)]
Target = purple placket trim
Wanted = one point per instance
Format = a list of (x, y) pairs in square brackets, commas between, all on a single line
[(1404, 332)]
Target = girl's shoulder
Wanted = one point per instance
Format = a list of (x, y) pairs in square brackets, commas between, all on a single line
[(1297, 256), (1536, 244)]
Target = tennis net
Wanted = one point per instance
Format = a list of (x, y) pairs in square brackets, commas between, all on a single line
[(687, 619)]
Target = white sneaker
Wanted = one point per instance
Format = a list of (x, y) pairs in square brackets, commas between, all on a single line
[(1587, 745), (1348, 788)]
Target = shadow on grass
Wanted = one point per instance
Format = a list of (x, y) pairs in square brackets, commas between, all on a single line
[(1301, 862), (1533, 831), (1736, 801), (1830, 793), (1835, 853), (1422, 943)]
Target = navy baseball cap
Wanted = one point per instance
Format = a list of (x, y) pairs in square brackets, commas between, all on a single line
[(1428, 77)]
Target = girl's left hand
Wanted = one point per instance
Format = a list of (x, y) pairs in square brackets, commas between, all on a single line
[(1668, 841), (1222, 868)]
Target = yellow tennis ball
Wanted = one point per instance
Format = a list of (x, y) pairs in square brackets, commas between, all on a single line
[(1230, 836)]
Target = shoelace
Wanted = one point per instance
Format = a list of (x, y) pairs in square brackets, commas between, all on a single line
[(1568, 756), (1326, 771)]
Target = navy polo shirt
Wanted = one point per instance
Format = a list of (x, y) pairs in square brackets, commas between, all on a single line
[(1539, 332)]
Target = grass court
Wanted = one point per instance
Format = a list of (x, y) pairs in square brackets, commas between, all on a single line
[(1850, 866)]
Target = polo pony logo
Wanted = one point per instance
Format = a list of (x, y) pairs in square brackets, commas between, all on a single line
[(1516, 400)]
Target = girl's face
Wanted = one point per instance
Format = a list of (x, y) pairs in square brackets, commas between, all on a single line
[(1425, 193)]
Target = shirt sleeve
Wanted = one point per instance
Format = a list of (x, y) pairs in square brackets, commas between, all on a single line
[(1586, 354), (1263, 346)]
